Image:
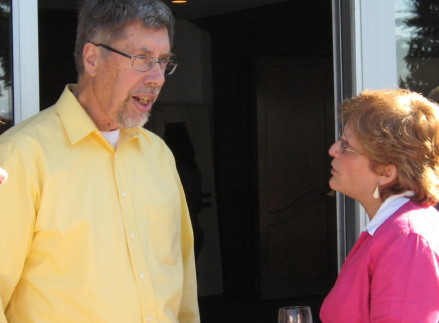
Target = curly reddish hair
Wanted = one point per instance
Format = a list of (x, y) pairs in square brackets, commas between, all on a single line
[(400, 128)]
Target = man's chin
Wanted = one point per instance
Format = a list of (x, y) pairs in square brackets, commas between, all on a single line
[(127, 123)]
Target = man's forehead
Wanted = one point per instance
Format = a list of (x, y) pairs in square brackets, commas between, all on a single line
[(144, 37)]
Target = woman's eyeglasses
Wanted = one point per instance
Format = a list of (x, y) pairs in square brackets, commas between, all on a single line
[(344, 146)]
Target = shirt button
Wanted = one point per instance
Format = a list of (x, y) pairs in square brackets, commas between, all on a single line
[(124, 194), (132, 235), (142, 275), (116, 155), (149, 318)]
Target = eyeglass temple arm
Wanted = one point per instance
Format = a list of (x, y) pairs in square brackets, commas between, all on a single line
[(113, 50)]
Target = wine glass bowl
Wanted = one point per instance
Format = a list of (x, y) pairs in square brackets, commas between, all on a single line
[(295, 314)]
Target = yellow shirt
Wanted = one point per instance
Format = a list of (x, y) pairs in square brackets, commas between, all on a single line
[(90, 234)]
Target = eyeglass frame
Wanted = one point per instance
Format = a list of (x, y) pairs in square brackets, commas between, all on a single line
[(344, 146), (133, 58)]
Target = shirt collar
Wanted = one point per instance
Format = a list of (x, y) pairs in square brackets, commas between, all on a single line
[(76, 121), (390, 205)]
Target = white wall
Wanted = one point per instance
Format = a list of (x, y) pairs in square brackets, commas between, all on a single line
[(191, 82), (187, 97)]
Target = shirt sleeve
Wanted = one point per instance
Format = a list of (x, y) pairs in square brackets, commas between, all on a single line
[(405, 282), (18, 204), (189, 312)]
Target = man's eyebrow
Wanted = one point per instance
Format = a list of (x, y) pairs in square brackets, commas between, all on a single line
[(168, 55), (146, 51)]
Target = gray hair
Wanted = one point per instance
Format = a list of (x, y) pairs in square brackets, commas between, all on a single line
[(102, 21)]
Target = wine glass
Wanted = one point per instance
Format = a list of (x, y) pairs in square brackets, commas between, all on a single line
[(295, 314)]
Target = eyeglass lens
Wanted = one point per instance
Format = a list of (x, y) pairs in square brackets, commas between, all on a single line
[(144, 64), (343, 145)]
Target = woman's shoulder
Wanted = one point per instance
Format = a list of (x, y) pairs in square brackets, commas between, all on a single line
[(413, 219)]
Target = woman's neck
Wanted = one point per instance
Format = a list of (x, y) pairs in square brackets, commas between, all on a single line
[(372, 206)]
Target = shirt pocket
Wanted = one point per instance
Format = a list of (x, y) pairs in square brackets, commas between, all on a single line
[(164, 232)]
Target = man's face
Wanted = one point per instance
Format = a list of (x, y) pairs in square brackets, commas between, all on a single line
[(123, 95)]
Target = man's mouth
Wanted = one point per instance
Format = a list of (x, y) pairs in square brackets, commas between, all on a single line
[(143, 103), (143, 99)]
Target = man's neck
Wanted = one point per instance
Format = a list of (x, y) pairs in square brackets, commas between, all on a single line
[(88, 101)]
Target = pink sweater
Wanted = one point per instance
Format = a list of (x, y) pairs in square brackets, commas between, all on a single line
[(392, 276)]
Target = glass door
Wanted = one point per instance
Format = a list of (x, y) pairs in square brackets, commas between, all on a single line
[(6, 94), (381, 44), (417, 46)]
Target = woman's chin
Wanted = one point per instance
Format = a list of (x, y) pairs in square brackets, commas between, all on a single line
[(333, 184), (336, 187)]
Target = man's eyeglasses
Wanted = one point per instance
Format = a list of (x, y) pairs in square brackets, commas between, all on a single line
[(142, 63), (344, 146)]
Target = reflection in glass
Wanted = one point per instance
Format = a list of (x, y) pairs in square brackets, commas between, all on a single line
[(6, 111), (417, 34)]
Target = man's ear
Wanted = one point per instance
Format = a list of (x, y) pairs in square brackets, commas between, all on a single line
[(389, 174), (90, 58)]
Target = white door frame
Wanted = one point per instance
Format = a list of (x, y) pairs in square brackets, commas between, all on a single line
[(375, 52), (364, 51), (25, 59), (375, 44)]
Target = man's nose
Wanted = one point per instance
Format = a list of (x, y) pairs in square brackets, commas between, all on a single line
[(155, 75)]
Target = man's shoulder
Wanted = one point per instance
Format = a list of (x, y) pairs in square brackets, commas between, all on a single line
[(41, 125), (155, 143)]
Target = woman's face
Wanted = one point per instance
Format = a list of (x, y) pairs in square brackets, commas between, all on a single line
[(351, 171)]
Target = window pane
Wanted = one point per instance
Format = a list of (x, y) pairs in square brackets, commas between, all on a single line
[(6, 110), (417, 32)]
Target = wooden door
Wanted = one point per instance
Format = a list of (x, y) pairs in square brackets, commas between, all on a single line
[(297, 216)]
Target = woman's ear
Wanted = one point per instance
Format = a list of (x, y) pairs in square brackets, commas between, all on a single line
[(388, 175), (90, 56)]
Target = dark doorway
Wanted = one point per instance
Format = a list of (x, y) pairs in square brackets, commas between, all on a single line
[(242, 46), (249, 48), (298, 255)]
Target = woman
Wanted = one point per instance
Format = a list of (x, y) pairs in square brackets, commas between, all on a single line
[(387, 159)]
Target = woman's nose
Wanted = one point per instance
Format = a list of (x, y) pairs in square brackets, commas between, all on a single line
[(334, 149)]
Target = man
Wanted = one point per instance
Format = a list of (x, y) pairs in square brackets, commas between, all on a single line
[(94, 225)]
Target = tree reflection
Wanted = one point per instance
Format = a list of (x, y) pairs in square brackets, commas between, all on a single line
[(5, 49), (5, 65), (423, 55)]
